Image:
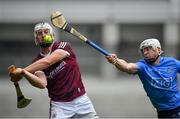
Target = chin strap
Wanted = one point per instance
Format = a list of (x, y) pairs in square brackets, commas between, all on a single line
[(151, 62)]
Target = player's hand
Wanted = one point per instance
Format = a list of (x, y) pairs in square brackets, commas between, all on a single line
[(16, 71), (112, 58), (16, 74)]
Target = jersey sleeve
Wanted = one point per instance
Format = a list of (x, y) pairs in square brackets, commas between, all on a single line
[(62, 45), (140, 66), (65, 46)]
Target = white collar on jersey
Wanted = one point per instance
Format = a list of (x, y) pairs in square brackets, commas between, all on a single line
[(44, 55)]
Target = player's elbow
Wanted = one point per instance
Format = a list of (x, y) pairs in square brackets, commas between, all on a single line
[(42, 86)]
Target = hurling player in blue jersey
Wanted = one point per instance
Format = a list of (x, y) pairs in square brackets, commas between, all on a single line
[(158, 75)]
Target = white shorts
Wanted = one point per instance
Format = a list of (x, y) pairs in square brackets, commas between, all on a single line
[(80, 107)]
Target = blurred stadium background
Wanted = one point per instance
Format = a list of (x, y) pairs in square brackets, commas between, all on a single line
[(116, 25)]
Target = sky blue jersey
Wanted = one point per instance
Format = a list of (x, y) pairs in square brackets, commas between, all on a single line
[(160, 82)]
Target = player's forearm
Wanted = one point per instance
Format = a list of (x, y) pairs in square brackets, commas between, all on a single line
[(38, 65), (34, 80), (121, 64), (47, 61), (125, 67)]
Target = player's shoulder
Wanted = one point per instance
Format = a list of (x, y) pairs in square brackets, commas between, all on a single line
[(141, 61), (61, 44), (168, 58)]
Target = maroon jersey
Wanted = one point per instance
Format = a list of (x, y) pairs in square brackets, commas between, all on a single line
[(64, 77)]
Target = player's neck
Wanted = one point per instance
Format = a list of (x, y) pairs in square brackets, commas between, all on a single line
[(157, 61), (45, 51)]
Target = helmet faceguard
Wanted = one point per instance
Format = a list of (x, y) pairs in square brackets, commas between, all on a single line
[(39, 26)]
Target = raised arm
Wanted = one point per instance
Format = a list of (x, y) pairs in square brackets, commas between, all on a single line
[(41, 64), (121, 64), (47, 61)]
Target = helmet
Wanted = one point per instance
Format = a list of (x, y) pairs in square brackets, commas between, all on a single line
[(152, 42), (42, 25)]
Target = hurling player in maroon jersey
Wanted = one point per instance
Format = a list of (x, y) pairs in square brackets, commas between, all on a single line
[(56, 69)]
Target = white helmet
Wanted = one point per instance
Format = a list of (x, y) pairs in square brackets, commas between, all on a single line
[(152, 42), (42, 25)]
